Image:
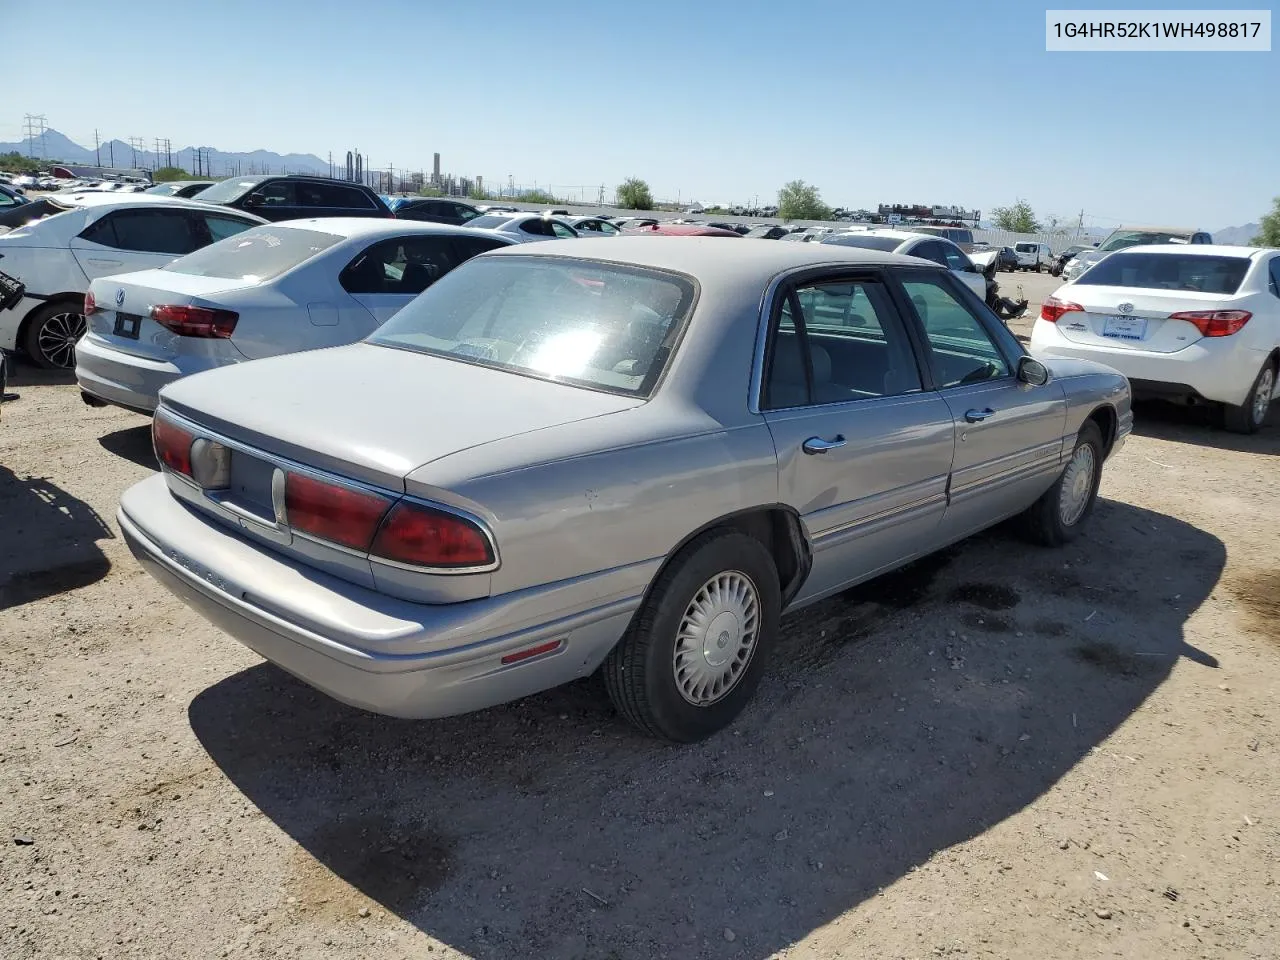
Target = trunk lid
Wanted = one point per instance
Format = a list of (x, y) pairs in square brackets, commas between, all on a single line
[(1126, 318), (124, 304), (376, 413)]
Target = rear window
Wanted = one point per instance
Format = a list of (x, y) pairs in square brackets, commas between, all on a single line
[(257, 254), (1026, 247), (887, 244), (228, 190), (489, 222), (1168, 271), (601, 326)]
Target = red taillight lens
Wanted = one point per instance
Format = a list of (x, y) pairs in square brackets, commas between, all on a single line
[(196, 321), (338, 514), (418, 535), (1053, 308), (1215, 323), (172, 445), (90, 305)]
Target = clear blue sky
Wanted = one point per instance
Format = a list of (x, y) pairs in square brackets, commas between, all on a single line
[(945, 102)]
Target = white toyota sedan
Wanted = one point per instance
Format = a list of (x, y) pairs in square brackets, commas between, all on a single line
[(1192, 323), (51, 261), (279, 288)]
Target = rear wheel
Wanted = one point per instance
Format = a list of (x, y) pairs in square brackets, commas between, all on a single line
[(1059, 516), (52, 333), (1252, 414), (696, 649)]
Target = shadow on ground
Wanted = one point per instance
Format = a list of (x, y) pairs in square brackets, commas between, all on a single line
[(134, 444), (898, 719), (1201, 425), (41, 523), (23, 374)]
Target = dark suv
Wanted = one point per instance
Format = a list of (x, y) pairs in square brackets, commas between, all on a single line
[(295, 197)]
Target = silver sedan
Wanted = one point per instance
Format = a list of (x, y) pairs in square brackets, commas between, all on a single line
[(618, 456)]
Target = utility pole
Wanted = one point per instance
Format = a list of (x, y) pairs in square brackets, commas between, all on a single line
[(111, 152), (97, 148), (135, 148), (1080, 224)]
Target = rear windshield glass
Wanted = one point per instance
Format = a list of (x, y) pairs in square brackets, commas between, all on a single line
[(1026, 247), (489, 222), (1137, 238), (231, 189), (887, 244), (257, 254), (595, 325), (1168, 271)]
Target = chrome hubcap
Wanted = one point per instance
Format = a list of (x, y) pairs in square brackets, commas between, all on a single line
[(1262, 396), (58, 336), (1077, 484), (717, 638)]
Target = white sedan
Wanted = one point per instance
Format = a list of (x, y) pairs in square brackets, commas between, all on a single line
[(524, 227), (279, 288), (924, 245), (1189, 323), (53, 260)]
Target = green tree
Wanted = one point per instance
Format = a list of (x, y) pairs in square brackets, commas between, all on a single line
[(478, 194), (634, 194), (537, 196), (430, 192), (1019, 218), (798, 200), (165, 174), (1269, 228), (14, 162)]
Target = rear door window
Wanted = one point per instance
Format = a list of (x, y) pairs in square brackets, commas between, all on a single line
[(539, 228), (400, 265), (145, 231), (333, 196)]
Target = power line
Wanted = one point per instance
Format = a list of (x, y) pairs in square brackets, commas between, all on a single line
[(35, 125)]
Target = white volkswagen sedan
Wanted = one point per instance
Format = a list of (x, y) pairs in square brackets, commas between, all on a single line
[(52, 261), (1189, 323), (938, 249), (275, 289)]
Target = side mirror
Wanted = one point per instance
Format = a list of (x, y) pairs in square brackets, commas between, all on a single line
[(1031, 371)]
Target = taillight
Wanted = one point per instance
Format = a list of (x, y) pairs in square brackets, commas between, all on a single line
[(418, 535), (90, 305), (172, 445), (1215, 323), (1053, 308), (196, 321), (338, 514)]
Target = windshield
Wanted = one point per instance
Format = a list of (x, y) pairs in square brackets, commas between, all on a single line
[(596, 325), (233, 188), (1137, 238), (489, 221), (868, 242), (260, 253), (1169, 271)]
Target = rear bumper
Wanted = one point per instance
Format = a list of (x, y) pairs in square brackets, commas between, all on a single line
[(1216, 370), (365, 648), (123, 379)]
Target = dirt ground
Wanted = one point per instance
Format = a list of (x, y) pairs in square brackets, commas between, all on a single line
[(1003, 751)]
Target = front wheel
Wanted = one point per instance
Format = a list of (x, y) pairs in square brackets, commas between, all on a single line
[(1252, 414), (1059, 516), (52, 334), (697, 647)]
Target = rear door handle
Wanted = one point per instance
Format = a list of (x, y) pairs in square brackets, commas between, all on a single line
[(977, 416), (816, 445)]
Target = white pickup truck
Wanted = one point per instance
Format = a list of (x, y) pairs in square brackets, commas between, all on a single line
[(1034, 256)]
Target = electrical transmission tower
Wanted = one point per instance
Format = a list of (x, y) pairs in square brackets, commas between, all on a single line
[(136, 147), (35, 125)]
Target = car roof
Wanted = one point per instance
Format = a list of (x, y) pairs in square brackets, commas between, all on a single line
[(1199, 249), (102, 198), (374, 226), (707, 257), (903, 235)]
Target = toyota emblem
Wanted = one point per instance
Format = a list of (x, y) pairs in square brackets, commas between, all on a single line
[(119, 298), (1125, 307)]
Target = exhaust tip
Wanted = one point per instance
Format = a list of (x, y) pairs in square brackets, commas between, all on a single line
[(91, 400)]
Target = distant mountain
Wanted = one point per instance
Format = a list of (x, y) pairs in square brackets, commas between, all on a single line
[(56, 146), (1237, 235)]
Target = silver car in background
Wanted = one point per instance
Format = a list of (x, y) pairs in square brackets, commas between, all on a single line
[(1122, 238), (613, 455)]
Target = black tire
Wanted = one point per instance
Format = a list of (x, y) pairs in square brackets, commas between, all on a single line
[(1042, 522), (1252, 414), (1039, 268), (640, 672), (51, 334)]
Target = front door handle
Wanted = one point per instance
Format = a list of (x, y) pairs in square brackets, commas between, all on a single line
[(817, 445), (977, 416)]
